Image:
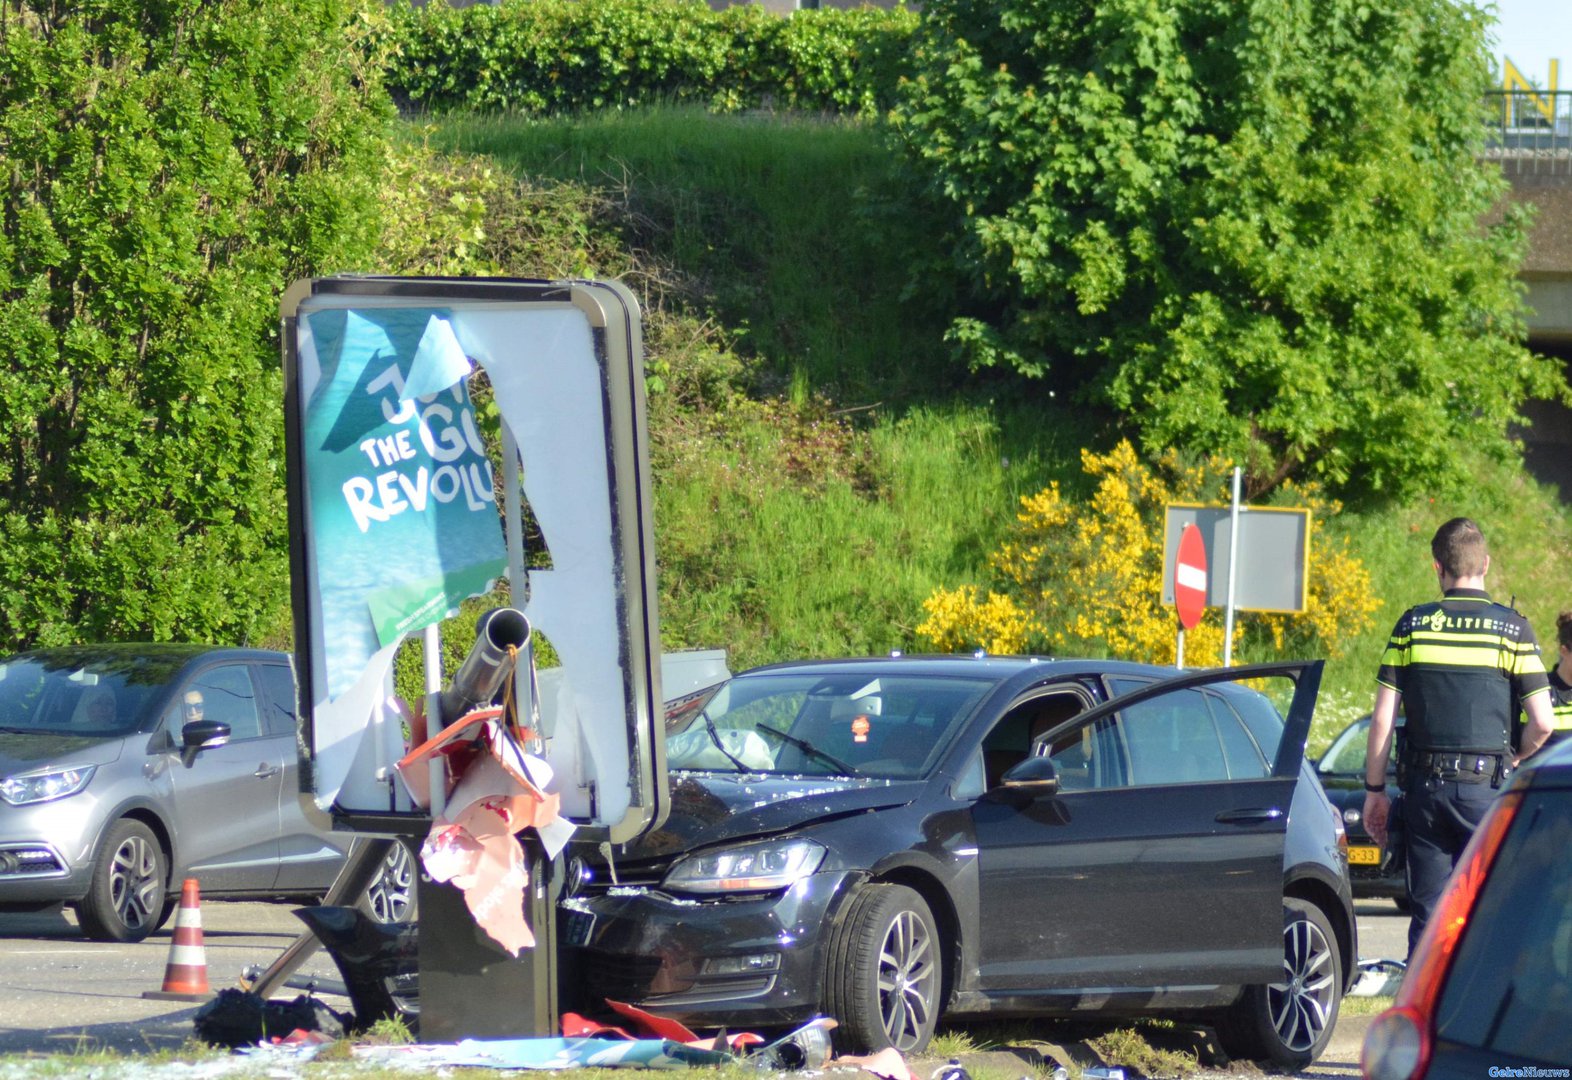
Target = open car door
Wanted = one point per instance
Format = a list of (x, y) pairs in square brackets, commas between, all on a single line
[(1153, 860)]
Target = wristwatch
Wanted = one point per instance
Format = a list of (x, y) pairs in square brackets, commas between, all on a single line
[(1375, 789)]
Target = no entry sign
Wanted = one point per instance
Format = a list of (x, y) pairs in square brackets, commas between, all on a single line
[(1190, 577)]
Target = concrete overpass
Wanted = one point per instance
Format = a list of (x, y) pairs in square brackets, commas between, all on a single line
[(1534, 148), (1547, 271)]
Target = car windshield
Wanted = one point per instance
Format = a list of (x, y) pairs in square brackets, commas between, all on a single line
[(1346, 755), (78, 693), (835, 724)]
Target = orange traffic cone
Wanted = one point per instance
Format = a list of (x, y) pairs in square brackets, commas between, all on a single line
[(185, 976)]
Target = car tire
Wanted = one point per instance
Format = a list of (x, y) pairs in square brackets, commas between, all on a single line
[(390, 898), (885, 971), (126, 898), (1288, 1024)]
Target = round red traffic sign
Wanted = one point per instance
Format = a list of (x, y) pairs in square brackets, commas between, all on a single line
[(1190, 577)]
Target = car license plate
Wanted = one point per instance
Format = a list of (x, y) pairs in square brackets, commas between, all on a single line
[(577, 927), (1364, 856)]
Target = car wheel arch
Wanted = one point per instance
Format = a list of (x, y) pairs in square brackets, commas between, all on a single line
[(942, 907), (148, 815), (1312, 889)]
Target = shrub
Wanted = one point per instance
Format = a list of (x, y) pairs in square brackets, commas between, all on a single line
[(547, 56), (1086, 580), (1253, 231)]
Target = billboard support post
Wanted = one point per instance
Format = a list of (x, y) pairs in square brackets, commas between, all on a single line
[(431, 640)]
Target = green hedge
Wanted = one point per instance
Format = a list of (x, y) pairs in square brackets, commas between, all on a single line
[(548, 56), (167, 169)]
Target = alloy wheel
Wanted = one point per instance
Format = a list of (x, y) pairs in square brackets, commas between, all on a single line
[(908, 980), (1301, 1005), (391, 894), (135, 882)]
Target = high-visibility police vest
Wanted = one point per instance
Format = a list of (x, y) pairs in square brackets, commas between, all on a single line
[(1463, 666), (1560, 708)]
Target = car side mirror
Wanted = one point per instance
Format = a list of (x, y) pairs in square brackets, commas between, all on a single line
[(202, 735), (1032, 778)]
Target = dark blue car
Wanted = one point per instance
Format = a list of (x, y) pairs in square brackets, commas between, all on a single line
[(1378, 871), (894, 840)]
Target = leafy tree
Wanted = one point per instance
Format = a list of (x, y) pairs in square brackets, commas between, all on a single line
[(1086, 579), (167, 168), (1253, 228)]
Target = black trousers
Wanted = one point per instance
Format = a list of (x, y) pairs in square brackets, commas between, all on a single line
[(1439, 816)]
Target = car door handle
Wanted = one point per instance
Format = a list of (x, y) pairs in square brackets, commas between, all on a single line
[(1250, 816), (265, 771)]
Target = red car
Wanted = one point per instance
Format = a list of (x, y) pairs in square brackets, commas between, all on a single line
[(1489, 990)]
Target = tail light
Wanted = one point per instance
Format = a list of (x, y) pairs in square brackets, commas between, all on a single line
[(1400, 1040)]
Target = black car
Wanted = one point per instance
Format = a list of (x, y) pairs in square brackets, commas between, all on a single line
[(888, 841), (1376, 871), (1489, 988)]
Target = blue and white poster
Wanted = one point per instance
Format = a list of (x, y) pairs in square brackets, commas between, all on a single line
[(403, 511)]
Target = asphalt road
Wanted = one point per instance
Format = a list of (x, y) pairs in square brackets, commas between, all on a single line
[(60, 993)]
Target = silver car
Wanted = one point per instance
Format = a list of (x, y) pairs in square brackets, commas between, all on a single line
[(125, 769)]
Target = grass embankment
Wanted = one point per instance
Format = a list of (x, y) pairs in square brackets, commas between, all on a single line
[(856, 469)]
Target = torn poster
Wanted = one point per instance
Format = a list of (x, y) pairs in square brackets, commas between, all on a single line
[(473, 843), (404, 521)]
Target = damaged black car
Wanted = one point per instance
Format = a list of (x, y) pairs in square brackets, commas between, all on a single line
[(892, 841)]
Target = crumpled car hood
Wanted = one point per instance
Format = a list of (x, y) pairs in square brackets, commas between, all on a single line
[(20, 753), (707, 808)]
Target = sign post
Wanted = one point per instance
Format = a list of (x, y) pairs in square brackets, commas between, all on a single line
[(1189, 585)]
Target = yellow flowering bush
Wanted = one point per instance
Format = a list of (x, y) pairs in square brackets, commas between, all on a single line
[(1086, 579)]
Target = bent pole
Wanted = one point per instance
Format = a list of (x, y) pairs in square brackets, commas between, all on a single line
[(359, 870)]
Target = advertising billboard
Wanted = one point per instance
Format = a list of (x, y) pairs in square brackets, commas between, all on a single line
[(447, 437)]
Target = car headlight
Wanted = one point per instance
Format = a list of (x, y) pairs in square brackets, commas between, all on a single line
[(43, 786), (753, 868)]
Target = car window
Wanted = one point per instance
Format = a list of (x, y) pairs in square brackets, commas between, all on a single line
[(1346, 755), (1012, 739), (1172, 740), (1261, 719), (1509, 991), (278, 698), (1090, 757), (1246, 760), (222, 693)]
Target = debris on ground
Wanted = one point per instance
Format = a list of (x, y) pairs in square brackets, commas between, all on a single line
[(1378, 978), (236, 1019)]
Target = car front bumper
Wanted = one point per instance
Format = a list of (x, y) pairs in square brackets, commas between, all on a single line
[(1374, 872), (46, 851), (731, 961)]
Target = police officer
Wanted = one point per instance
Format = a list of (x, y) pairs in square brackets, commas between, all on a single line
[(1561, 683), (1462, 668)]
